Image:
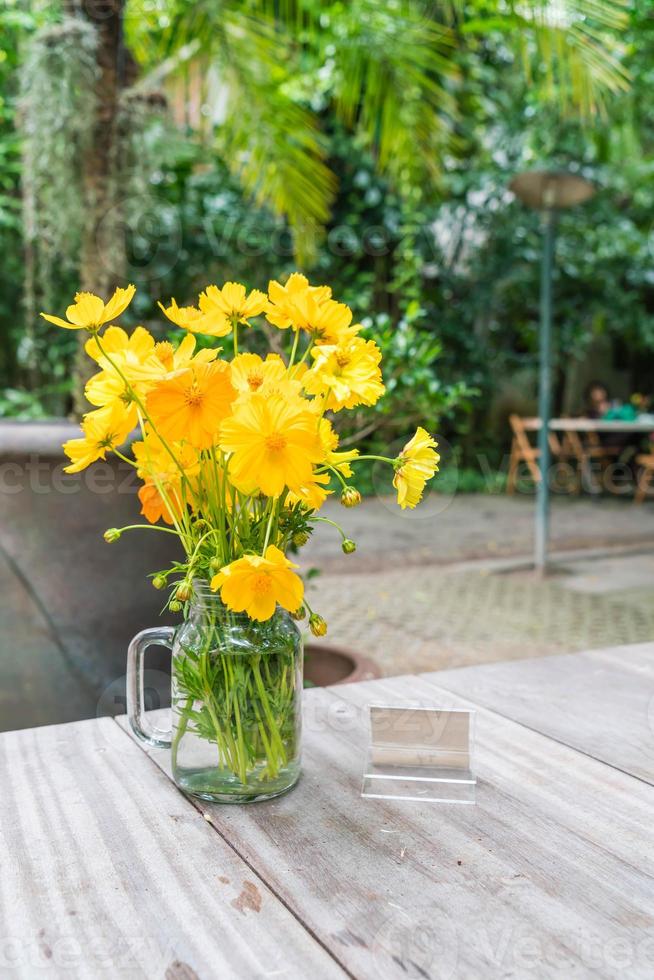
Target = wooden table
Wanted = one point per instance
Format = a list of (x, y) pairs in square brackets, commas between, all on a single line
[(591, 425), (108, 871)]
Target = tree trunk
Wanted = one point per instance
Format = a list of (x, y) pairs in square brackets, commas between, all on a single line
[(102, 255)]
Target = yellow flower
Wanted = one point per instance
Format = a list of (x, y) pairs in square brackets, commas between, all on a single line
[(139, 344), (175, 359), (348, 374), (88, 312), (313, 493), (416, 464), (282, 310), (255, 584), (211, 323), (130, 367), (102, 430), (231, 305), (190, 405), (328, 322), (250, 373), (162, 480), (274, 444), (329, 440)]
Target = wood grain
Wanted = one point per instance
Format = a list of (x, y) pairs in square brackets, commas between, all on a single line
[(600, 702), (108, 871), (551, 874)]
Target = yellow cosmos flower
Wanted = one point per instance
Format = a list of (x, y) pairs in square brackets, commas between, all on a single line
[(282, 309), (274, 443), (209, 322), (327, 322), (176, 359), (102, 430), (162, 482), (348, 374), (232, 302), (417, 463), (115, 340), (313, 493), (129, 368), (255, 584), (251, 373), (339, 461), (190, 405), (89, 312)]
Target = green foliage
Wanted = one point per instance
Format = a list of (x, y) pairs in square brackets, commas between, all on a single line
[(347, 133), (416, 393), (387, 70)]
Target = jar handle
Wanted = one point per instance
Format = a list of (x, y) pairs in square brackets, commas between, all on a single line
[(161, 636)]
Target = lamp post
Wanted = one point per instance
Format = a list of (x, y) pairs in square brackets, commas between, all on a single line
[(549, 192)]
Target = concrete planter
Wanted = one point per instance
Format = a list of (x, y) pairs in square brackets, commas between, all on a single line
[(92, 596), (325, 665)]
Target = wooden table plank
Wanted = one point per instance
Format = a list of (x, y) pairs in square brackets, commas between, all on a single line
[(590, 425), (600, 702), (539, 879), (107, 870)]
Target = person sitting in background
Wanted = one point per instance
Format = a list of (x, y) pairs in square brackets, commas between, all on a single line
[(597, 399), (600, 406)]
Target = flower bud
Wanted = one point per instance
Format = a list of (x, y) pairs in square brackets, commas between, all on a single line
[(175, 606), (159, 581), (317, 625), (350, 497), (111, 534), (184, 591), (299, 613), (348, 546), (300, 538), (215, 565)]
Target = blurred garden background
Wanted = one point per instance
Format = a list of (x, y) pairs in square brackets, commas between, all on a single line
[(369, 144)]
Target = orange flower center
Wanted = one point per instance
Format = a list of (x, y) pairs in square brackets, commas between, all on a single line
[(255, 381), (275, 442), (262, 584), (342, 359), (193, 396)]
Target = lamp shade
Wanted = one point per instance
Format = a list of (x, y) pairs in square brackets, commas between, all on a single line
[(548, 190)]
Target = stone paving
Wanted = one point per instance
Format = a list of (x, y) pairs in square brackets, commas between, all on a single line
[(425, 591), (411, 606)]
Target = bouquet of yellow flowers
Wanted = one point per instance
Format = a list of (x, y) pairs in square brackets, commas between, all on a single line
[(236, 456)]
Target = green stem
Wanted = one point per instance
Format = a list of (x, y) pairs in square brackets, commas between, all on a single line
[(326, 520), (148, 527), (382, 459), (294, 349)]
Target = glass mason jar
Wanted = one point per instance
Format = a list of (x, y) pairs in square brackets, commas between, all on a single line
[(236, 701)]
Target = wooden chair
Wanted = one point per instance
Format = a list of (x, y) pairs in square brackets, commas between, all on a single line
[(522, 451), (646, 475)]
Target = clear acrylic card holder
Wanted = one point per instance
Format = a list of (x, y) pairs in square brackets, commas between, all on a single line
[(420, 753)]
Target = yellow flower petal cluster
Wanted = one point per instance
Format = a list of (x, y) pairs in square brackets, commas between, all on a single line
[(102, 430), (164, 492), (191, 404), (89, 312), (255, 584), (237, 455), (273, 443), (282, 308), (232, 304), (218, 310), (416, 464), (250, 373), (347, 374)]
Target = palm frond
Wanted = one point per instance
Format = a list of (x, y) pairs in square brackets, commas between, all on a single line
[(571, 48)]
